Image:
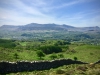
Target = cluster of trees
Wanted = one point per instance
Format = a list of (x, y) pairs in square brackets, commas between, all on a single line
[(62, 43), (50, 49), (27, 35), (7, 43), (52, 56), (42, 47)]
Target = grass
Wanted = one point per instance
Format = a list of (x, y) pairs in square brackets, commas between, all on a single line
[(8, 55), (82, 52), (86, 52)]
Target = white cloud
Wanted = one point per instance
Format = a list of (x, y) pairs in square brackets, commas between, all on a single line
[(21, 13), (19, 16)]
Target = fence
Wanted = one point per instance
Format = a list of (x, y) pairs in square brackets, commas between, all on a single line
[(20, 66)]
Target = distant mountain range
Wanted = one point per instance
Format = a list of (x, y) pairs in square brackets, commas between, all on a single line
[(48, 31), (36, 26)]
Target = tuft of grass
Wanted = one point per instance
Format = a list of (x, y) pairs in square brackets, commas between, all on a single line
[(60, 71)]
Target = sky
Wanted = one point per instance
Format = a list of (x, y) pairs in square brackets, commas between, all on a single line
[(77, 13)]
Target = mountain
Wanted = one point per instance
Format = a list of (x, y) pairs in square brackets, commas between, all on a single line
[(8, 27), (48, 31), (36, 26)]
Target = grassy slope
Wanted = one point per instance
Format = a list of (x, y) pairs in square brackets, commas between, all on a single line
[(86, 53)]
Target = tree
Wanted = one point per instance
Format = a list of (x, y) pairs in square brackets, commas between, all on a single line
[(16, 55), (75, 58), (40, 54)]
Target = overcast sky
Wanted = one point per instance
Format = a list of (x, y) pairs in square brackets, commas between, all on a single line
[(78, 13)]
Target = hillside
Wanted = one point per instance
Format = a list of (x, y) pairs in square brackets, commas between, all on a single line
[(48, 31)]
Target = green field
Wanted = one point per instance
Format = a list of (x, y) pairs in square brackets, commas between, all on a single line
[(15, 50), (26, 50)]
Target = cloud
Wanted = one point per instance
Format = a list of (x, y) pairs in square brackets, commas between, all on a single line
[(57, 4), (21, 12)]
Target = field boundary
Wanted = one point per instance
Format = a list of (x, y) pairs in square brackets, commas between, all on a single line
[(20, 66)]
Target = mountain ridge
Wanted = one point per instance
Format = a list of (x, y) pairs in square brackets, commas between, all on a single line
[(36, 26)]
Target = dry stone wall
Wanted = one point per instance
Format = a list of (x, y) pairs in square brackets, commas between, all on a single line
[(20, 66), (97, 62)]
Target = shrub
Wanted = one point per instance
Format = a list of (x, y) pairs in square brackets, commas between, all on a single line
[(16, 56), (61, 55), (53, 56), (40, 54), (75, 58)]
